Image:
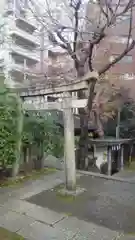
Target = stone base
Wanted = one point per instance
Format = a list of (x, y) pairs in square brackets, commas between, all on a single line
[(76, 192)]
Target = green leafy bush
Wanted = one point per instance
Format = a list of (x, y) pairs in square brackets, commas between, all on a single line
[(9, 134), (30, 128), (40, 130)]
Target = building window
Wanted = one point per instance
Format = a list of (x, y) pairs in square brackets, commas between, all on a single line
[(125, 59), (127, 76), (123, 18), (20, 7), (10, 4), (120, 39)]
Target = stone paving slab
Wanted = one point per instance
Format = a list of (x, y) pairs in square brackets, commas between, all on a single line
[(33, 187), (85, 230), (3, 211), (36, 212), (30, 190), (40, 231), (4, 199), (45, 215), (18, 206), (93, 237), (43, 187), (30, 186), (14, 221), (31, 225), (67, 229)]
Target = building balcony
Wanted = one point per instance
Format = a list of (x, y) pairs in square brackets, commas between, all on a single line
[(20, 75), (20, 10), (19, 68), (9, 8), (24, 23), (26, 53), (26, 37)]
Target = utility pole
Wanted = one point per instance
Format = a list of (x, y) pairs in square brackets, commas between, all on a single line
[(118, 124)]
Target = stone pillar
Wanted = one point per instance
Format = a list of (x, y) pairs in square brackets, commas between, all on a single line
[(109, 160), (69, 151), (122, 158)]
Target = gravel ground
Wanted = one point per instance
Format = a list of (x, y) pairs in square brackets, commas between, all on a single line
[(106, 202)]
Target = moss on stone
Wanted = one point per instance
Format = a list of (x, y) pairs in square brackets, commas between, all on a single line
[(7, 235), (66, 197), (11, 182)]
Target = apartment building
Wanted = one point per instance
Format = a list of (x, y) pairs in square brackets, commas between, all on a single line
[(113, 45), (18, 43)]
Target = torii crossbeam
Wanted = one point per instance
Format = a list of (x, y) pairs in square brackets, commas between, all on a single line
[(80, 84)]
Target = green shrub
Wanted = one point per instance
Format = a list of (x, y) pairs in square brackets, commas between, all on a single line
[(41, 131), (9, 127)]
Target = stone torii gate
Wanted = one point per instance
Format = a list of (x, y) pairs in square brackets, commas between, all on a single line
[(66, 105)]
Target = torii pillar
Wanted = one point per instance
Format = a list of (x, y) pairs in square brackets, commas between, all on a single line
[(69, 146)]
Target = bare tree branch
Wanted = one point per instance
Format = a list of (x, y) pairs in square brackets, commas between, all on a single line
[(128, 6), (128, 48), (130, 27), (90, 56), (117, 59), (76, 6), (53, 40), (99, 21)]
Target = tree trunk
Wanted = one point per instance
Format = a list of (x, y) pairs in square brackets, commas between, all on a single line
[(83, 141), (99, 124), (84, 122), (84, 118)]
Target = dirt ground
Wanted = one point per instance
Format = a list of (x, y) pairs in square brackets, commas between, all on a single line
[(105, 202)]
